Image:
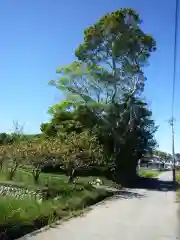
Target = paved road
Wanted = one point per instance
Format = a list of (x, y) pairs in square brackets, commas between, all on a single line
[(134, 214)]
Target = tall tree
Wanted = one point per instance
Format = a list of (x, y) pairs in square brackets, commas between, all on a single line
[(112, 58), (117, 43), (138, 140), (108, 78)]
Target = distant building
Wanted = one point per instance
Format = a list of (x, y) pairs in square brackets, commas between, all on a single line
[(153, 162)]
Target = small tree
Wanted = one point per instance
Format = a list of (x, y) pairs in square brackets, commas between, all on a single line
[(15, 155), (3, 138), (80, 150), (38, 154), (2, 156), (33, 151), (14, 152), (37, 164), (17, 133)]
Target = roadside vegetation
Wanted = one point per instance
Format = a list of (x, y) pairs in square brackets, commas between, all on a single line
[(148, 173), (101, 129), (178, 188), (26, 206)]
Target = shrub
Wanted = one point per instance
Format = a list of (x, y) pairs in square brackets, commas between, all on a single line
[(81, 151), (12, 156)]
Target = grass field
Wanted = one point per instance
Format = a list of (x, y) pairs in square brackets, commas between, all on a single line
[(148, 173), (19, 216)]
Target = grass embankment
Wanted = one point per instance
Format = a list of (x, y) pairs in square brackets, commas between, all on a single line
[(148, 173), (178, 189), (178, 176), (20, 216)]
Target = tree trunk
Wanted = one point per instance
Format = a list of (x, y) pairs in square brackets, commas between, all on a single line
[(11, 175), (126, 171), (36, 174), (12, 172), (71, 175), (1, 166)]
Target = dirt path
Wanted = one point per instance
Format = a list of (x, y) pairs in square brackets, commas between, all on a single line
[(137, 214)]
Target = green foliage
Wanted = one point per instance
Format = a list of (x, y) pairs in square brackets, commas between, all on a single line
[(102, 119), (125, 139), (11, 157), (3, 138), (48, 128), (163, 155), (20, 216), (148, 173), (6, 139), (106, 85), (117, 43), (178, 178), (102, 123), (81, 150), (81, 83), (115, 35), (71, 151)]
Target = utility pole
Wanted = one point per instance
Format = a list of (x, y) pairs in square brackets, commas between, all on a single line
[(171, 122)]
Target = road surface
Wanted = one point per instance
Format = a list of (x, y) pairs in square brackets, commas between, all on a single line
[(137, 214)]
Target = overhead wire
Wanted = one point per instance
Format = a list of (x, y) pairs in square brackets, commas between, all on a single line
[(173, 86), (175, 55)]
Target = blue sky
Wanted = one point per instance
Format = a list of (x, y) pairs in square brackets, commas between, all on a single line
[(39, 36)]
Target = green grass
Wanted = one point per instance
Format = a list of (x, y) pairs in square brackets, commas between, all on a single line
[(17, 217), (25, 176), (178, 189), (178, 177), (148, 173)]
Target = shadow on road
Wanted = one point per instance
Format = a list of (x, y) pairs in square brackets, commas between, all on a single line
[(127, 194), (152, 184)]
